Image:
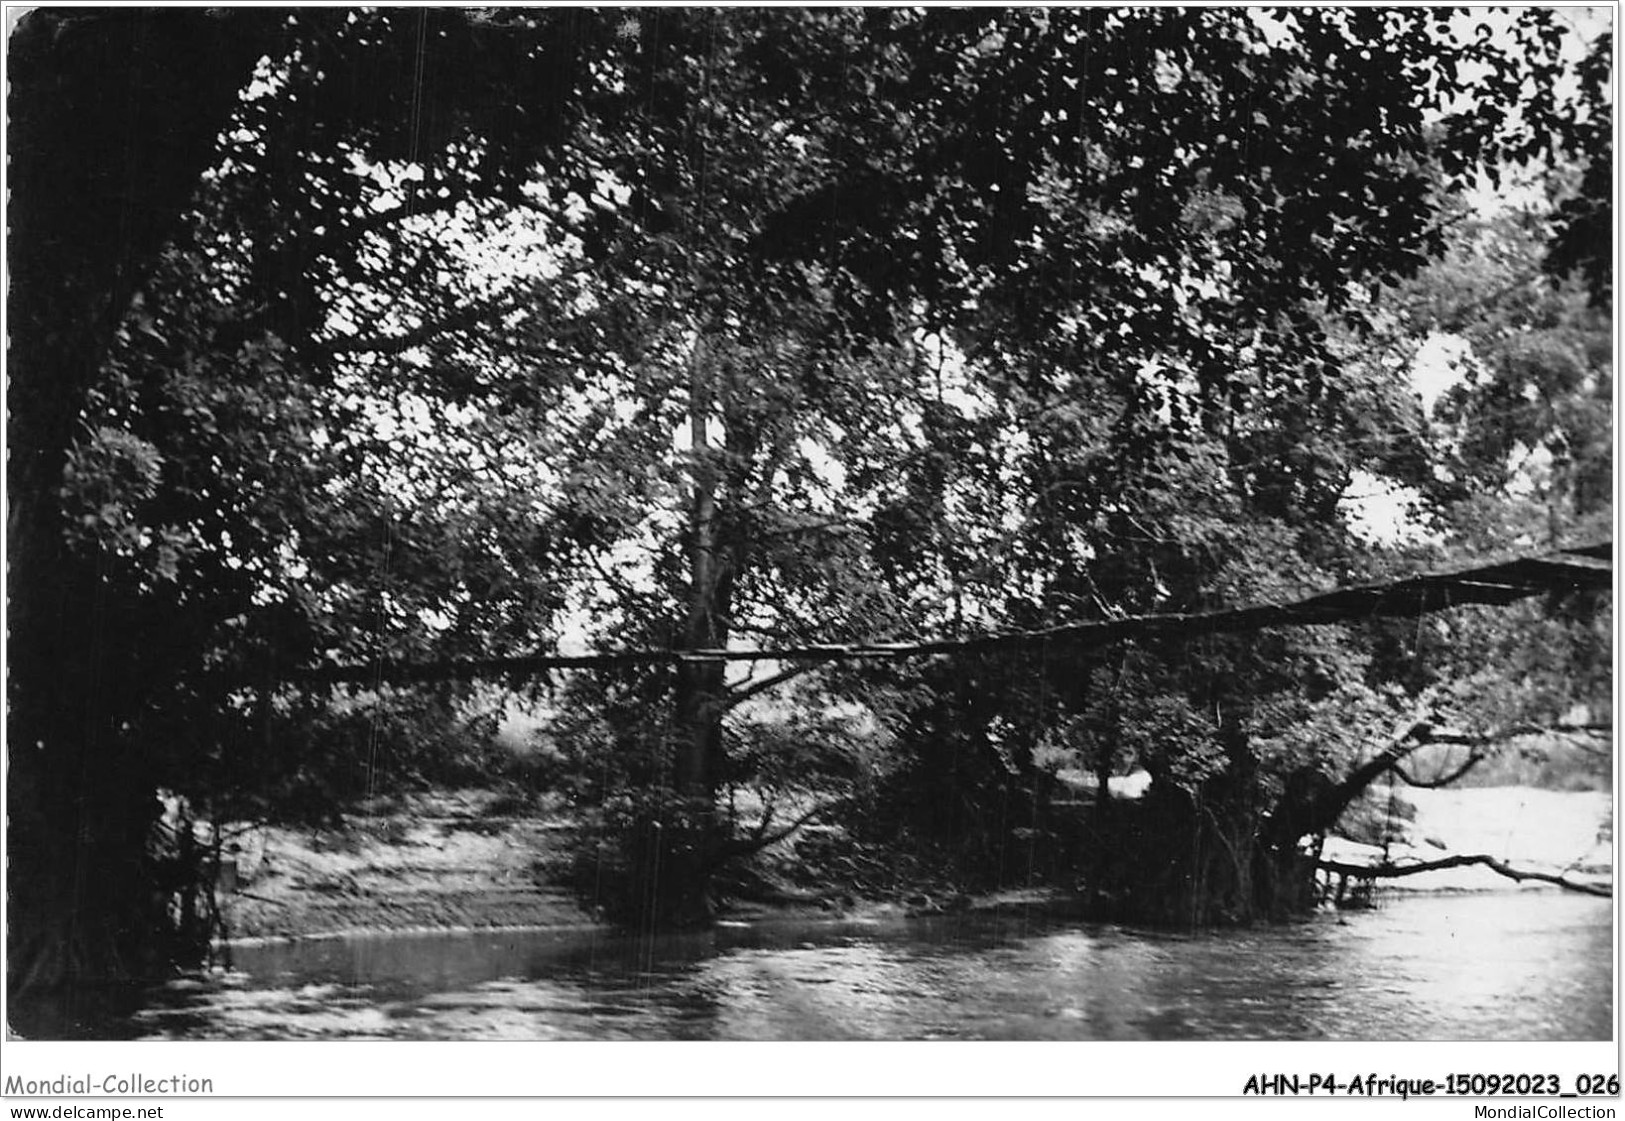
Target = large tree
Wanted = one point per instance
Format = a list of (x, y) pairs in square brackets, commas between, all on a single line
[(113, 118), (116, 115), (1106, 269), (979, 259)]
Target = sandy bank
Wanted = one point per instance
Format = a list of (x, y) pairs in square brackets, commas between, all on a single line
[(472, 860), (456, 859)]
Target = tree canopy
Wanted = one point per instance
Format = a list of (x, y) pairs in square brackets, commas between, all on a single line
[(406, 336)]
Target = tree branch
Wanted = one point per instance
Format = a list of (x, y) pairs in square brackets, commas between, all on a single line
[(744, 846), (1513, 731), (1395, 871), (457, 320), (734, 700), (1472, 760), (1413, 733)]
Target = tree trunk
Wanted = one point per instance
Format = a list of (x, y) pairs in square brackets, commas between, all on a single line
[(699, 683), (696, 832), (113, 118), (1312, 805), (1100, 853)]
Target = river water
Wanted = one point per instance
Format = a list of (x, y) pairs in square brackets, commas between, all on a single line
[(1495, 965)]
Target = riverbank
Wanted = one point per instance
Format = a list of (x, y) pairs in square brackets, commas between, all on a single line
[(481, 860), (465, 859), (478, 860)]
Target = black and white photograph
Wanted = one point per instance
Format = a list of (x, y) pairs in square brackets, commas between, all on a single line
[(1080, 524)]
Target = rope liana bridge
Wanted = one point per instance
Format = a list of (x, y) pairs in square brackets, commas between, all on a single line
[(1496, 582)]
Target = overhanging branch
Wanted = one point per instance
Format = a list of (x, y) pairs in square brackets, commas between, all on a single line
[(1395, 871), (1468, 764)]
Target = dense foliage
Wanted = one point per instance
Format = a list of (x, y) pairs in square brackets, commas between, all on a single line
[(474, 332)]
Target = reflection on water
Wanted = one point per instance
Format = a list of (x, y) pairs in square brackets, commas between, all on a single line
[(1484, 966)]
